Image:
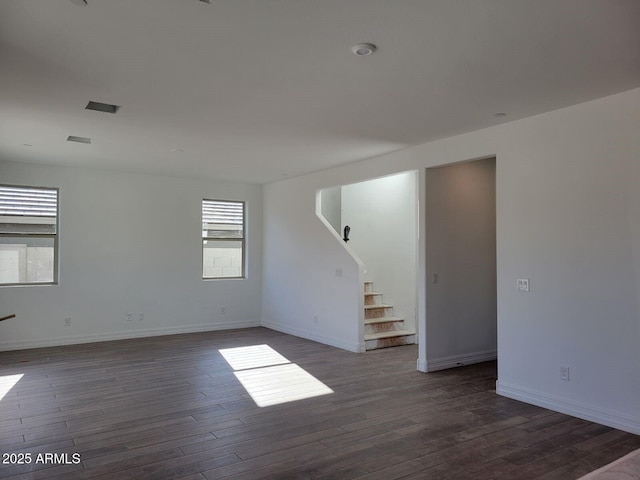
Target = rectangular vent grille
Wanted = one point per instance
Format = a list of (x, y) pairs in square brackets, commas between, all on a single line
[(102, 107), (72, 138)]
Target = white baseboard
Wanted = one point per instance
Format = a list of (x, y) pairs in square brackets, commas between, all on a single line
[(421, 365), (570, 407), (443, 363), (105, 337), (351, 347)]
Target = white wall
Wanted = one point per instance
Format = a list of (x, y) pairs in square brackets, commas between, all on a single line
[(460, 213), (382, 216), (568, 218), (130, 243), (331, 207), (312, 284)]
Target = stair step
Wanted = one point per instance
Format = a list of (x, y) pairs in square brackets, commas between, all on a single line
[(375, 341), (372, 298), (377, 311), (382, 324), (393, 333), (369, 321)]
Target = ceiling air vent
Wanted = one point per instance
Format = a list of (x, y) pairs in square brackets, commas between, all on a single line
[(102, 107), (72, 138)]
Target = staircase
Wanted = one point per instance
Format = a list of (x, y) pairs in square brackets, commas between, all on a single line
[(381, 328)]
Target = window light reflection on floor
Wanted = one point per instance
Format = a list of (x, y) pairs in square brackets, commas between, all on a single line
[(270, 378), (7, 382), (254, 356)]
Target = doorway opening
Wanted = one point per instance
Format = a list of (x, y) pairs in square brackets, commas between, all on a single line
[(461, 274)]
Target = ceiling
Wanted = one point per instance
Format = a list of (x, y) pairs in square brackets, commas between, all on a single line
[(259, 90)]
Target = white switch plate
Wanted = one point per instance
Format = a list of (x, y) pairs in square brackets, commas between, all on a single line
[(522, 285), (564, 373)]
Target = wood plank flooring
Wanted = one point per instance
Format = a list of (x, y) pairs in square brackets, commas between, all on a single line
[(173, 408)]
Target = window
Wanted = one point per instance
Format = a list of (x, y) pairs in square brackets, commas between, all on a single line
[(222, 239), (28, 235)]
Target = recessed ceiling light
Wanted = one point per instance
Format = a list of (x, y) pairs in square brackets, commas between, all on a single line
[(73, 138), (364, 49), (499, 115)]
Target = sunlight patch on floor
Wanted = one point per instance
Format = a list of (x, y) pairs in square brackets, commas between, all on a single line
[(7, 382), (280, 384), (254, 356), (270, 378)]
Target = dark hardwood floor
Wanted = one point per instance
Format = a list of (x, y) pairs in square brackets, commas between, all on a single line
[(172, 407)]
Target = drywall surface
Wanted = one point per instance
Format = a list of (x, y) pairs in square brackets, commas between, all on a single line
[(382, 216), (460, 224), (312, 283), (331, 207), (567, 219), (130, 244)]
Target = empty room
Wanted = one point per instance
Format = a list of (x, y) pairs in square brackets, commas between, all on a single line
[(297, 239)]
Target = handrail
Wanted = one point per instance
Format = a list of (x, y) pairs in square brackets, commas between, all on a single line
[(8, 317)]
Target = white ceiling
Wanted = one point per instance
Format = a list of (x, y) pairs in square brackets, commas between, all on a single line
[(256, 90)]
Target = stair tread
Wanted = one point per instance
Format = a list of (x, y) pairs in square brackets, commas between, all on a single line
[(372, 293), (393, 333), (369, 321), (380, 305)]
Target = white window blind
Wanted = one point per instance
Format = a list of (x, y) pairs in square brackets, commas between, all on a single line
[(222, 219), (32, 202)]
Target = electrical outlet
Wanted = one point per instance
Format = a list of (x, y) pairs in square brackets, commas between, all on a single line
[(434, 277), (564, 373), (67, 322), (223, 310), (338, 272), (315, 319), (129, 316), (522, 285), (140, 316)]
